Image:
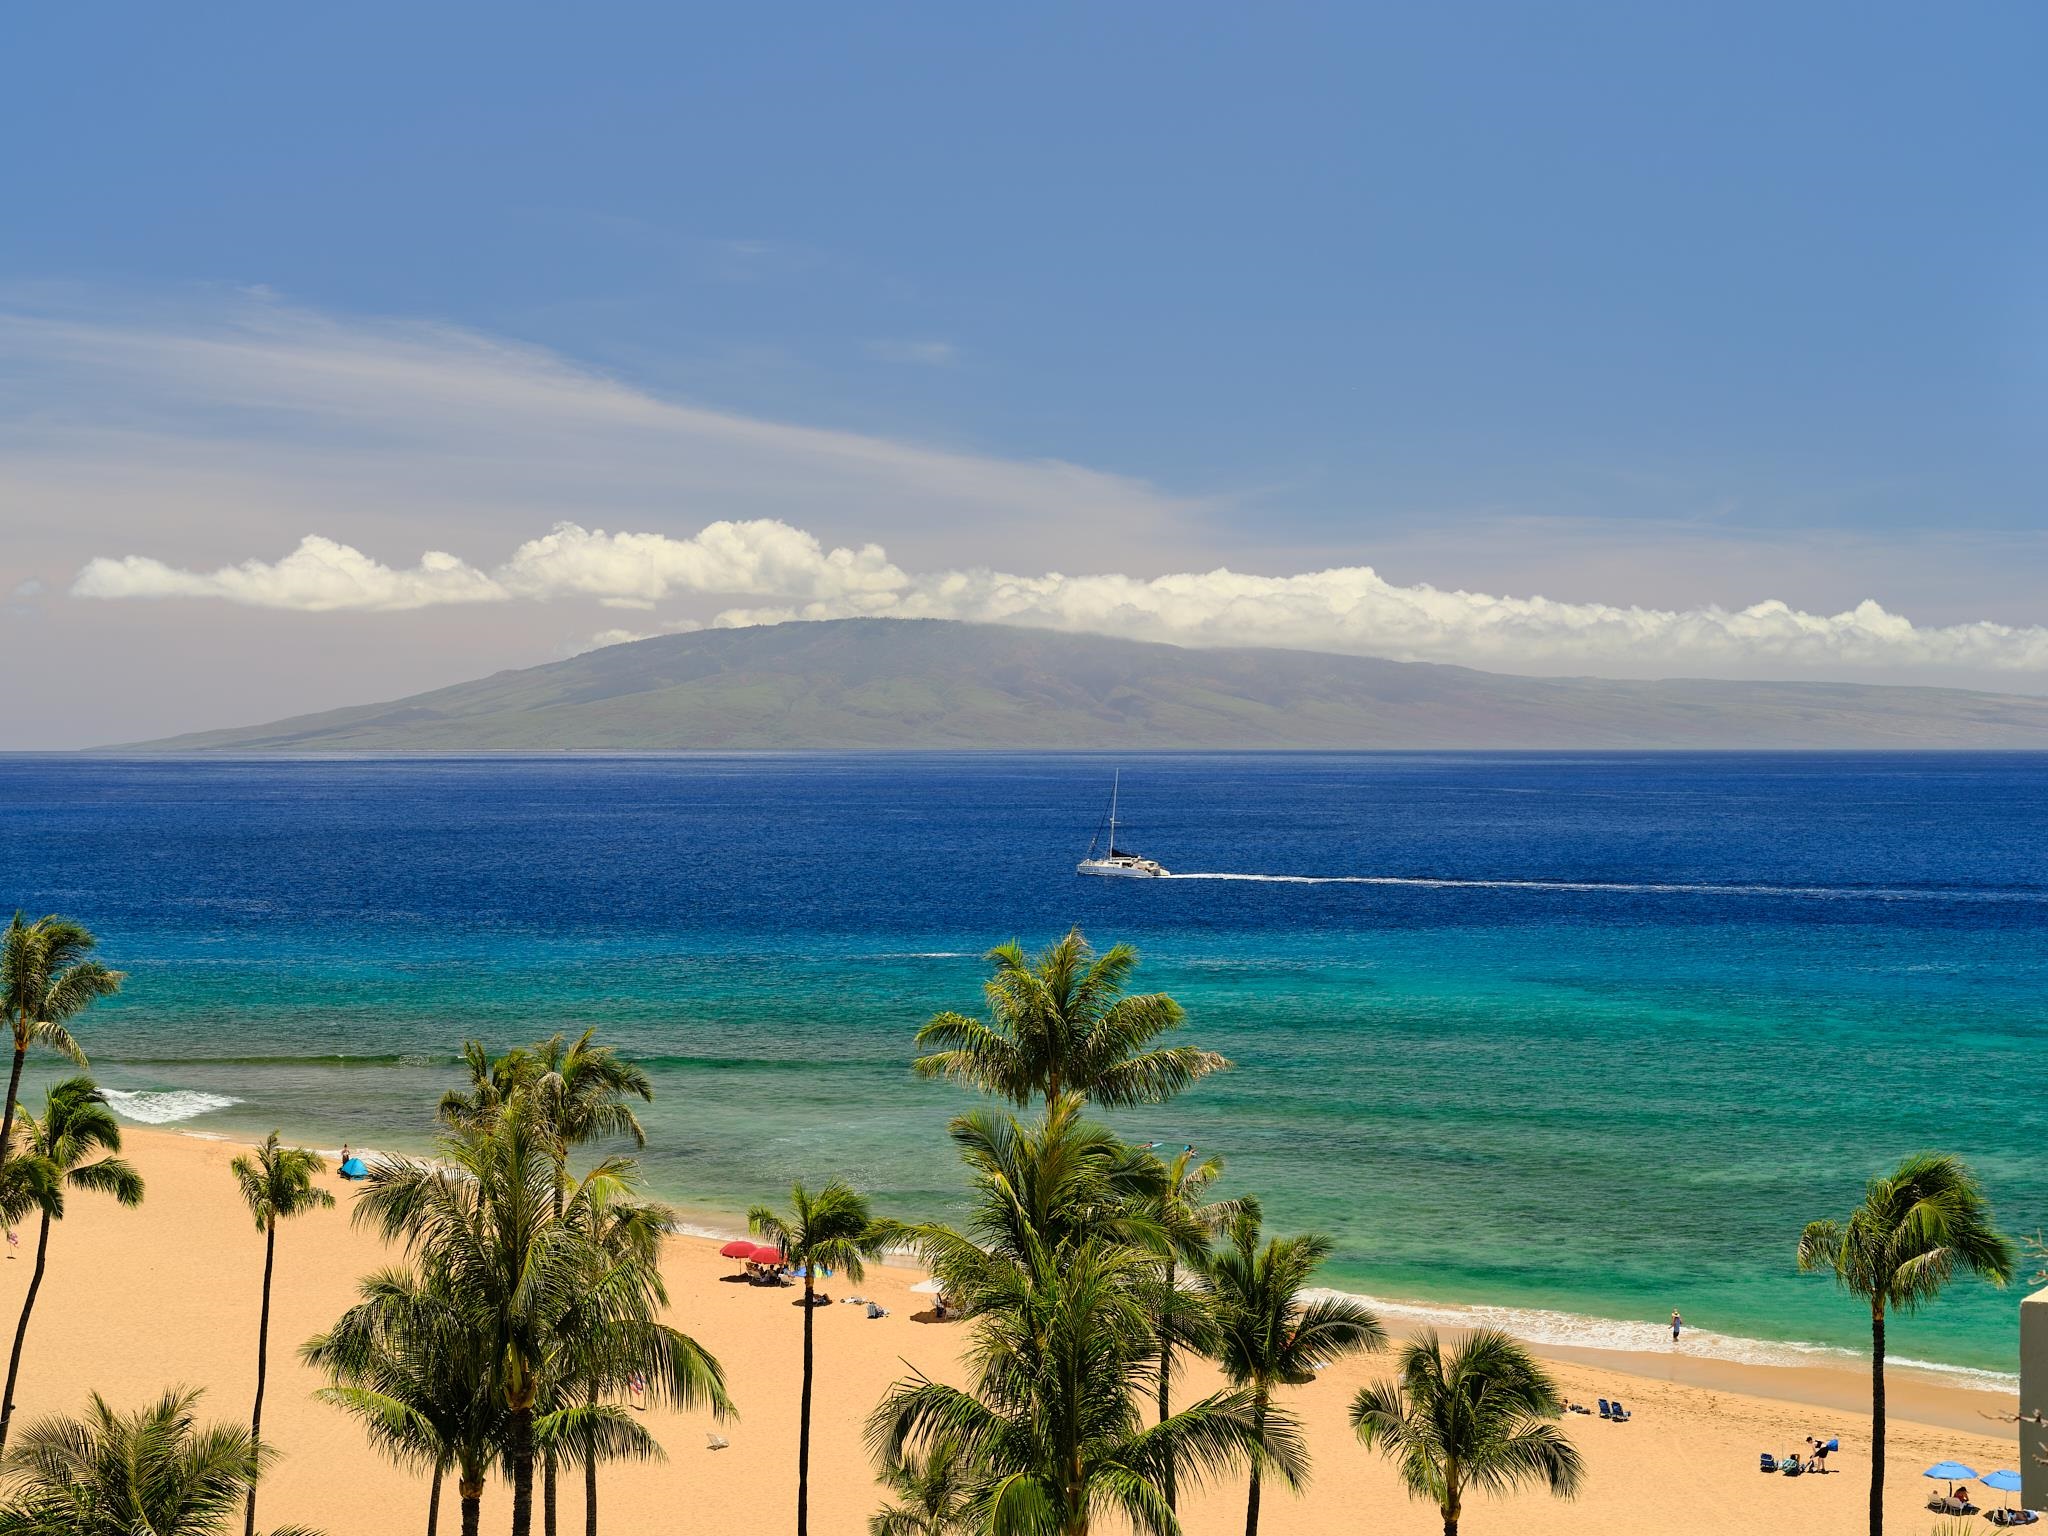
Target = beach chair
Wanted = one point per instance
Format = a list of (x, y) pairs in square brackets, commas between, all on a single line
[(1766, 1462), (1621, 1414), (875, 1309), (1605, 1411), (716, 1442), (1792, 1466)]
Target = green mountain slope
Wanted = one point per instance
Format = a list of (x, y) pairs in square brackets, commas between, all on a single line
[(927, 683)]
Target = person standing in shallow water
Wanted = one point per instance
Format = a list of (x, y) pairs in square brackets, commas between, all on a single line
[(1677, 1323)]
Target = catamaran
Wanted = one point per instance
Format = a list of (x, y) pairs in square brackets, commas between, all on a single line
[(1116, 862)]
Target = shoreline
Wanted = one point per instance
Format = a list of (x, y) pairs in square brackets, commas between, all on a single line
[(168, 1292), (1824, 1377)]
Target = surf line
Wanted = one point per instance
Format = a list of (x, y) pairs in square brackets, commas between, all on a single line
[(1817, 892)]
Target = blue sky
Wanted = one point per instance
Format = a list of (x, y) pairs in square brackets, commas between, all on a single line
[(1645, 306)]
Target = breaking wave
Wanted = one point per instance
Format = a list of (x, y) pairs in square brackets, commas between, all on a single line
[(165, 1108)]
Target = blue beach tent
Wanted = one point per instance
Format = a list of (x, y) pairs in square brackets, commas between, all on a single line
[(354, 1169)]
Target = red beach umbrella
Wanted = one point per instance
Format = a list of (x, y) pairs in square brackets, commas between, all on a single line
[(738, 1248), (766, 1255)]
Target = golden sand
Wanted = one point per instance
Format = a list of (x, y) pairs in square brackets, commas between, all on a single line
[(136, 1300)]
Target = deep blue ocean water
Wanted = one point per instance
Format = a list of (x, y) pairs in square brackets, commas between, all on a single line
[(1634, 1021)]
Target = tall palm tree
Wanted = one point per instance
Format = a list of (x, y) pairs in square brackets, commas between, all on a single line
[(1898, 1251), (112, 1474), (1481, 1417), (832, 1229), (1059, 1022), (1052, 1436), (404, 1362), (578, 1090), (482, 1220), (931, 1495), (531, 1285), (276, 1184), (47, 978), (1189, 1222), (74, 1129), (1270, 1334)]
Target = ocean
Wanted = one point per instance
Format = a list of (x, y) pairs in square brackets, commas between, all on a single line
[(1581, 1038)]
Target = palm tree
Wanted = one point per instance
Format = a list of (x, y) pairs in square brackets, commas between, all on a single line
[(1059, 1022), (75, 1126), (931, 1495), (276, 1184), (1480, 1418), (831, 1229), (1189, 1222), (47, 977), (111, 1474), (1897, 1251), (534, 1289), (404, 1362), (578, 1090), (1050, 1184), (1052, 1436), (1270, 1333)]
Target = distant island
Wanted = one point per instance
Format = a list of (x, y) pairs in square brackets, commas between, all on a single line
[(939, 684)]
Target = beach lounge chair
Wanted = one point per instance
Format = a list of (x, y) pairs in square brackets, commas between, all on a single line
[(1621, 1414), (876, 1309), (1605, 1411), (1766, 1462), (716, 1442)]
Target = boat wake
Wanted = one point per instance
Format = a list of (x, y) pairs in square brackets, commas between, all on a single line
[(1641, 887)]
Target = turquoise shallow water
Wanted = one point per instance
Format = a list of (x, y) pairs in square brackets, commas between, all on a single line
[(1632, 1022)]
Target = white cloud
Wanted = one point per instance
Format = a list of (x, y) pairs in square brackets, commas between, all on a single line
[(1349, 609), (320, 576)]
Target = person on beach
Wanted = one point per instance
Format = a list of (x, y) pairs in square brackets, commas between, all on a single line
[(1677, 1323)]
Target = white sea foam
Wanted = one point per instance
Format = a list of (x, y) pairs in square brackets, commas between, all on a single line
[(165, 1108), (1571, 1330)]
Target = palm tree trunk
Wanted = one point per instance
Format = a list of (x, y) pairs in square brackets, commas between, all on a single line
[(803, 1435), (1877, 1421), (434, 1504), (548, 1467), (519, 1442), (470, 1485), (262, 1365), (1251, 1507), (1166, 1382), (1450, 1524), (28, 1305), (590, 1485), (13, 1098)]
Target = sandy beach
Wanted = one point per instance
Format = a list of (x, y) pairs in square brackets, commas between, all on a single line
[(167, 1293)]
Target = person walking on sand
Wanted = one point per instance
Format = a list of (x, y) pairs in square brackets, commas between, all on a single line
[(1677, 1323)]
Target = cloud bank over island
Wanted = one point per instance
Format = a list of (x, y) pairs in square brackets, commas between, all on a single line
[(785, 573)]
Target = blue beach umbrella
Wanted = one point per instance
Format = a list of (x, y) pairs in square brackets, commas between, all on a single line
[(2003, 1481), (1950, 1472)]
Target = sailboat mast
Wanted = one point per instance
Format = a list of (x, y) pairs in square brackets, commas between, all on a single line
[(1113, 783)]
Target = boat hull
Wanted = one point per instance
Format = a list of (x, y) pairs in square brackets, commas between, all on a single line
[(1121, 869)]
